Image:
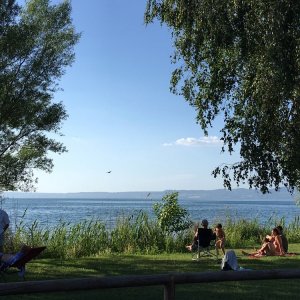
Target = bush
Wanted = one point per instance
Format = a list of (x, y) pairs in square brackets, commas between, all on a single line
[(171, 217)]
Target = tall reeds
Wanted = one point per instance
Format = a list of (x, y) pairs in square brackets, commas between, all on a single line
[(137, 233)]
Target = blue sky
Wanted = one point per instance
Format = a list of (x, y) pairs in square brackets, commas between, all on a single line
[(122, 116)]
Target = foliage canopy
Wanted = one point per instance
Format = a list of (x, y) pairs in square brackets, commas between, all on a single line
[(36, 45), (241, 59)]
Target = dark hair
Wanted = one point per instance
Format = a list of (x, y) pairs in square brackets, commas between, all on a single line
[(279, 227), (276, 230), (219, 225), (204, 222)]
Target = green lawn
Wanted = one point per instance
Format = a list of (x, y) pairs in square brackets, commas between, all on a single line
[(114, 265)]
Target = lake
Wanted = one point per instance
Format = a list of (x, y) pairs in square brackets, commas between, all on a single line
[(48, 212)]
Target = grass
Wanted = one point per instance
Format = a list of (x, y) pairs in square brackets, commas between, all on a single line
[(139, 246), (132, 235), (130, 264)]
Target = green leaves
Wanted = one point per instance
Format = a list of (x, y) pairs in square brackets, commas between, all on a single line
[(170, 215), (240, 59), (36, 45)]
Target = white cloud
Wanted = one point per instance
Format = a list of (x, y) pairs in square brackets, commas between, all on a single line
[(190, 141)]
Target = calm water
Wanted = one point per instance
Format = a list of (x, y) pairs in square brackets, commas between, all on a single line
[(48, 212)]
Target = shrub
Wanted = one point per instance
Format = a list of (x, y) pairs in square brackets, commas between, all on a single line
[(170, 215)]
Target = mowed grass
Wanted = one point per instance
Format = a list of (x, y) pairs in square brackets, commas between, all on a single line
[(121, 264)]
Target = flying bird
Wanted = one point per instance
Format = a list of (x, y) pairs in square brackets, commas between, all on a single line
[(108, 172)]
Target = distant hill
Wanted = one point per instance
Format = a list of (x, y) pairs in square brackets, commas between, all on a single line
[(219, 194)]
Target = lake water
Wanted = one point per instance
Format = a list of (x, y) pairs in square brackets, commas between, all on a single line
[(48, 212)]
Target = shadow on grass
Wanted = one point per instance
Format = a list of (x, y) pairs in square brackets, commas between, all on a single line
[(114, 265), (267, 289)]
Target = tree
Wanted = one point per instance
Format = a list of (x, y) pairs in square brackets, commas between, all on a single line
[(36, 45), (170, 215), (240, 59)]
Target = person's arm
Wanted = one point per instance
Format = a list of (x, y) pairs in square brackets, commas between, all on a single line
[(196, 233)]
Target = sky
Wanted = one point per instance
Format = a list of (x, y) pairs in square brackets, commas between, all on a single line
[(122, 116)]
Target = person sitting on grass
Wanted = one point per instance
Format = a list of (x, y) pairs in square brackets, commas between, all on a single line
[(267, 248), (271, 246), (285, 244), (277, 242), (284, 240)]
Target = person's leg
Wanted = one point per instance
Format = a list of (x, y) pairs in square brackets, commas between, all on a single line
[(222, 245), (218, 246), (264, 249), (7, 257)]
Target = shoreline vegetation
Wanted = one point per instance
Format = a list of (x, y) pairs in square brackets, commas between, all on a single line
[(142, 245), (169, 231), (135, 234)]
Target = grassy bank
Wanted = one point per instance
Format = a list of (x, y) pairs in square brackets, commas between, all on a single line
[(143, 245), (121, 264), (134, 235)]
